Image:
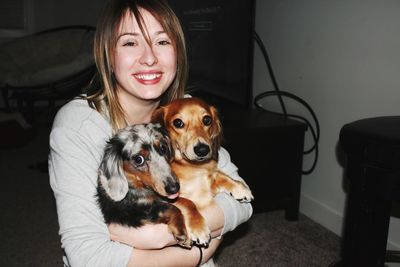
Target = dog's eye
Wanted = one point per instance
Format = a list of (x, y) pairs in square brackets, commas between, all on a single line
[(207, 120), (178, 123), (138, 159), (163, 149)]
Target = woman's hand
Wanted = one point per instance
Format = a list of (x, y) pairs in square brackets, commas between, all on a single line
[(149, 236)]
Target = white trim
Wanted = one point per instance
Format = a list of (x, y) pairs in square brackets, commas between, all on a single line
[(328, 217), (321, 213)]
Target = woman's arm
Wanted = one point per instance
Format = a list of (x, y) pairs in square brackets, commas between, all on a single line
[(156, 236), (235, 212), (173, 256), (148, 236), (73, 178)]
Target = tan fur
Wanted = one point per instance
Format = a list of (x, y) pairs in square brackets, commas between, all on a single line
[(200, 180)]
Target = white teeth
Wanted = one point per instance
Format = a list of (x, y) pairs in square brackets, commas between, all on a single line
[(148, 77)]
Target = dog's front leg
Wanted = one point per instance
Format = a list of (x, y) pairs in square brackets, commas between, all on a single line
[(195, 223), (238, 189), (174, 218)]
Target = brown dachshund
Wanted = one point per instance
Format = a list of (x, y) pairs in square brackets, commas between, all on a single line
[(195, 133)]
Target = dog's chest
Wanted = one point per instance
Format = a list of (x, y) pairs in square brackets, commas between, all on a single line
[(196, 184)]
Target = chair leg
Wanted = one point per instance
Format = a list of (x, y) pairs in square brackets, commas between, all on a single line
[(392, 256), (4, 92), (30, 113), (367, 218)]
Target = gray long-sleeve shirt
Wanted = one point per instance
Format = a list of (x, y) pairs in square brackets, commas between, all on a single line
[(77, 140)]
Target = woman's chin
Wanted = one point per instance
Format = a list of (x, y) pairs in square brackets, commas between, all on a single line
[(152, 95)]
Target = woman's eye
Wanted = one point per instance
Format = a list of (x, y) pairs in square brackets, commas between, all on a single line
[(129, 44), (178, 123), (138, 159), (207, 120), (164, 42)]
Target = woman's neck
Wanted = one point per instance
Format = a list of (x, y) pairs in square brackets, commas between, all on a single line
[(138, 111)]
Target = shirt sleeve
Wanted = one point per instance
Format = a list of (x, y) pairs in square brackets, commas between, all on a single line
[(73, 163), (234, 211)]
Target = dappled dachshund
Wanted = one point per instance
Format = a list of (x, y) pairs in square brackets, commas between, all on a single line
[(136, 185), (195, 133)]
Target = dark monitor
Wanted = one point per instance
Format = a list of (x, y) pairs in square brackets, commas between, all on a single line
[(219, 39)]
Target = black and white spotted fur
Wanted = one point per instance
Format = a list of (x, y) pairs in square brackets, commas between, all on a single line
[(135, 180)]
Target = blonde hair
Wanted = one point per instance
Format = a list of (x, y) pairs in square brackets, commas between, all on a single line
[(104, 98)]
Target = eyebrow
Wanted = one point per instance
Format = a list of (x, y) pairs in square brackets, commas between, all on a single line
[(139, 34)]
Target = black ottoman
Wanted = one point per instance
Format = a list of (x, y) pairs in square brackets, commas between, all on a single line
[(372, 148)]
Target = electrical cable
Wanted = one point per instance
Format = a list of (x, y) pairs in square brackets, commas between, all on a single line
[(270, 70), (315, 132)]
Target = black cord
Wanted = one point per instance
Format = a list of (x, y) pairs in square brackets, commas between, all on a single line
[(271, 72), (201, 256), (277, 92)]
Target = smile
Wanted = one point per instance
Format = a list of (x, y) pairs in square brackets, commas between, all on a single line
[(147, 76)]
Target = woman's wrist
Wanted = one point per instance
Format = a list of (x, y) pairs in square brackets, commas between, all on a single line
[(208, 252), (215, 219), (200, 256)]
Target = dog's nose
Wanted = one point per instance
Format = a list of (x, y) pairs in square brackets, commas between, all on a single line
[(201, 150), (172, 187)]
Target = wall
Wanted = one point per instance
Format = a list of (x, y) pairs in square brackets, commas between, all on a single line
[(343, 58), (52, 13), (46, 14)]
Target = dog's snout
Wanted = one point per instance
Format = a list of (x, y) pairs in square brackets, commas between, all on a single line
[(201, 150), (172, 186)]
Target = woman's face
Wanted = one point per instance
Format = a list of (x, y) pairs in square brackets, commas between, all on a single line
[(143, 71)]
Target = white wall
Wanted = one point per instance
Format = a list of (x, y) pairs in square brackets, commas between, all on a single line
[(343, 58)]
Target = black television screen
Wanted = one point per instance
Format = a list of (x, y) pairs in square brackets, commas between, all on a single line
[(219, 40)]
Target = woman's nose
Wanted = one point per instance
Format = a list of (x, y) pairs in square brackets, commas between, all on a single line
[(148, 57)]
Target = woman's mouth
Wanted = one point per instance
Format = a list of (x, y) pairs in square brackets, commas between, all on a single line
[(148, 78)]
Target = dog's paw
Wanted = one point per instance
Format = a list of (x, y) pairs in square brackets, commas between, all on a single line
[(183, 240), (198, 231), (200, 237), (181, 236), (242, 193)]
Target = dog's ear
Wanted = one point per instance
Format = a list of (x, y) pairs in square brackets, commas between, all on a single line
[(111, 173), (216, 132), (158, 116), (170, 150)]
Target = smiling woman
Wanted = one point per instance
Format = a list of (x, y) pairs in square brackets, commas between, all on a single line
[(144, 63), (140, 55)]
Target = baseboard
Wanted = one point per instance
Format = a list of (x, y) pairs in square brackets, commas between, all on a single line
[(328, 217), (321, 213)]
